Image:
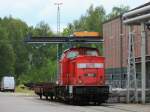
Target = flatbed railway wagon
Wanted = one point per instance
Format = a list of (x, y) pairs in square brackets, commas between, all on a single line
[(44, 89), (81, 72)]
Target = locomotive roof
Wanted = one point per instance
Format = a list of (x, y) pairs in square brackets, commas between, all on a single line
[(74, 48)]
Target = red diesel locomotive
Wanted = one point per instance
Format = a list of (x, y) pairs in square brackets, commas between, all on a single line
[(82, 76)]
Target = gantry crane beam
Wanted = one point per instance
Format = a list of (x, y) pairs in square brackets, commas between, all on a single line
[(63, 40)]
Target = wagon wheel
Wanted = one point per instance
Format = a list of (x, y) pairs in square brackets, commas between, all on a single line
[(40, 96)]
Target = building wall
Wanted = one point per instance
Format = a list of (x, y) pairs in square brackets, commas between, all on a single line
[(116, 47), (112, 43), (111, 34)]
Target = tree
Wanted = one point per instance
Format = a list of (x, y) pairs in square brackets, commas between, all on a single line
[(95, 19), (116, 11), (17, 31), (41, 52), (23, 60), (7, 57), (42, 57), (42, 29), (91, 21)]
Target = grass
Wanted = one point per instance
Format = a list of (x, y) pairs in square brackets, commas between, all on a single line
[(23, 89)]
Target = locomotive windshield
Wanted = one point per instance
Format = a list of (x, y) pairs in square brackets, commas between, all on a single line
[(72, 54), (92, 52)]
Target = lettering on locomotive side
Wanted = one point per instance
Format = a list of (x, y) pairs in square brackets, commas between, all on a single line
[(90, 65)]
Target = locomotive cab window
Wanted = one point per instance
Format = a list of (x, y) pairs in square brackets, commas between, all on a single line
[(92, 52), (72, 54)]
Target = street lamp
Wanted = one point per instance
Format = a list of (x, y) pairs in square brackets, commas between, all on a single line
[(59, 46)]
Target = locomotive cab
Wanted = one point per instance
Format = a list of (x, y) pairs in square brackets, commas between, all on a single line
[(81, 66)]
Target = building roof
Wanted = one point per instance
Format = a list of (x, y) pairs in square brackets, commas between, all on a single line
[(120, 16), (146, 4)]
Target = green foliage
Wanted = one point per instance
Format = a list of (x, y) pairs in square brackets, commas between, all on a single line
[(40, 57), (42, 29), (116, 11), (13, 35), (95, 19), (91, 21), (45, 73), (7, 58), (25, 62)]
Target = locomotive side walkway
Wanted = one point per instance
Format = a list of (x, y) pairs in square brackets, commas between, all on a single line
[(14, 102)]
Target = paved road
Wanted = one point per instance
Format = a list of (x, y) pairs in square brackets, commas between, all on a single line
[(23, 103)]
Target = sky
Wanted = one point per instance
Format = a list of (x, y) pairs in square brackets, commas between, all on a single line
[(34, 11)]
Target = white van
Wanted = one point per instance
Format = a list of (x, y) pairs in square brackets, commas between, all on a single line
[(8, 83)]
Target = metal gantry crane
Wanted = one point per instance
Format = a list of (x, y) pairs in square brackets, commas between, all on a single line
[(138, 16)]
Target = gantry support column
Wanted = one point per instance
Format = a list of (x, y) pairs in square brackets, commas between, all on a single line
[(131, 75), (143, 62)]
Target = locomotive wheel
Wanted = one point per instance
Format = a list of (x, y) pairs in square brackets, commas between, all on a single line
[(40, 96)]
